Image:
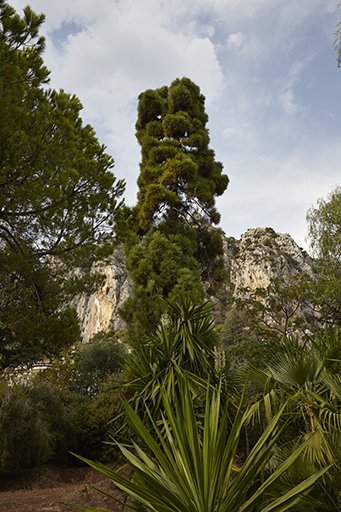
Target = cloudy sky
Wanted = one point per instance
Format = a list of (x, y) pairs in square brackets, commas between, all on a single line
[(272, 87)]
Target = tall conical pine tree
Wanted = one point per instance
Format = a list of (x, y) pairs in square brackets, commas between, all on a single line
[(175, 245)]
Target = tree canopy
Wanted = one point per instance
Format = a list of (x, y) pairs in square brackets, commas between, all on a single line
[(324, 222), (178, 173), (58, 195), (175, 244)]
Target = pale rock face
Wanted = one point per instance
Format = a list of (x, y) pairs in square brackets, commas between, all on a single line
[(263, 254), (99, 311), (260, 254)]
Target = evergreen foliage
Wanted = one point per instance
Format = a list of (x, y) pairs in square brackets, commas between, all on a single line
[(240, 343), (175, 246), (179, 175), (58, 196), (280, 309), (183, 343), (306, 376), (94, 363), (186, 463), (85, 368), (37, 425), (160, 266)]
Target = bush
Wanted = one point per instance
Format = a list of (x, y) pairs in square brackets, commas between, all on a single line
[(186, 463), (65, 407), (97, 361), (36, 425), (98, 420), (41, 423), (84, 370)]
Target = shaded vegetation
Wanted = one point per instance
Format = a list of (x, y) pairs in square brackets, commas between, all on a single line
[(58, 198)]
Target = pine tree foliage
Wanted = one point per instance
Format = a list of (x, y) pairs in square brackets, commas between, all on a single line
[(58, 195), (175, 244), (160, 266), (179, 175)]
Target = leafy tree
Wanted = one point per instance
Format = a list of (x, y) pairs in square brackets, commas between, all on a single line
[(175, 243), (161, 266), (179, 176), (240, 343), (324, 222), (282, 308), (37, 423), (96, 362), (97, 420), (85, 368), (58, 196), (187, 464)]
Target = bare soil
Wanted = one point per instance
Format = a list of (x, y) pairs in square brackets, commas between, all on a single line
[(47, 489)]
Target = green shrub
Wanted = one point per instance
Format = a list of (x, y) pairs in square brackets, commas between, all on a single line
[(98, 419), (85, 369), (187, 464), (95, 362), (36, 425)]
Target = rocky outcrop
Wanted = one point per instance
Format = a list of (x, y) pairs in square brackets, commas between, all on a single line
[(260, 254), (99, 311)]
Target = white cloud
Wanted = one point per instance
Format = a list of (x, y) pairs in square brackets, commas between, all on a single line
[(126, 49), (260, 109), (287, 101), (234, 41), (120, 50)]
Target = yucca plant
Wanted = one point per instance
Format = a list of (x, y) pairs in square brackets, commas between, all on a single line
[(182, 344), (187, 464)]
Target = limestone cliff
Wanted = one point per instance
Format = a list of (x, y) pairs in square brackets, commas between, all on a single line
[(99, 311), (262, 254), (252, 261)]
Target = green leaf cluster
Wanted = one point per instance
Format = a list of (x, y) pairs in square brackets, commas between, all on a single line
[(37, 425), (160, 266), (282, 308), (306, 376), (324, 224), (179, 175), (58, 195), (188, 464), (175, 247), (183, 342)]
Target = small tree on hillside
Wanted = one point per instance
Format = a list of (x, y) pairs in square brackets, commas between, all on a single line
[(179, 176), (324, 223)]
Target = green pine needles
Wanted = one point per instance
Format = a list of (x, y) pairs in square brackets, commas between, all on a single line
[(179, 176), (175, 246)]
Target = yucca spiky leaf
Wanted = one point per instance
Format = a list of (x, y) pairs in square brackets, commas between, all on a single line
[(189, 464)]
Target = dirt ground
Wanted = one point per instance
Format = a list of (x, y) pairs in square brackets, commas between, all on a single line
[(46, 488)]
